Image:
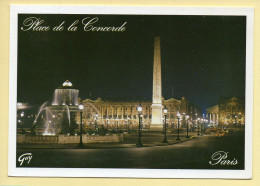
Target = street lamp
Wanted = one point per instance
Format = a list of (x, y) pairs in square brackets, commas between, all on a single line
[(187, 117), (142, 123), (81, 107), (117, 125), (201, 126), (107, 123), (198, 125), (204, 131), (205, 125), (139, 143), (126, 122), (235, 121), (22, 115), (165, 115), (178, 137), (96, 118)]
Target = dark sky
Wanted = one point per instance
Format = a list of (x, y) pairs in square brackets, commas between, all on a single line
[(203, 58)]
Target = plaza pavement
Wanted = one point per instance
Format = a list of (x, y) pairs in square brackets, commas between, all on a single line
[(148, 140), (192, 154)]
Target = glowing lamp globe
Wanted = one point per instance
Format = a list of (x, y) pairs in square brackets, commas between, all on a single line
[(139, 108), (81, 107)]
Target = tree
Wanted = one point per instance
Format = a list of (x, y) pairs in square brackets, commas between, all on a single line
[(64, 123), (73, 124)]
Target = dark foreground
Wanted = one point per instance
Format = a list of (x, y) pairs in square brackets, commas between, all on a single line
[(192, 154)]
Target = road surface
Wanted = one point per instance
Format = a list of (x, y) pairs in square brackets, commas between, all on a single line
[(192, 154)]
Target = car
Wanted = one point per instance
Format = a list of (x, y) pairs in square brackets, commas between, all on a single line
[(221, 133)]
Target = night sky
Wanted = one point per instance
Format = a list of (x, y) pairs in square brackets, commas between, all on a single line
[(203, 58)]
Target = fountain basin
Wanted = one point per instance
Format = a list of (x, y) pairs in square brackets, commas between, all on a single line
[(65, 139)]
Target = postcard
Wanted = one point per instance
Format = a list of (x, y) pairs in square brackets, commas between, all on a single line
[(137, 92)]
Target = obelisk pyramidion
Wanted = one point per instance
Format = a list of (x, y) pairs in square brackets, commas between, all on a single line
[(157, 124)]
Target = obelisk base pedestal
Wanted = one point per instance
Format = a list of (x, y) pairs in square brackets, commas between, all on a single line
[(156, 127), (157, 123)]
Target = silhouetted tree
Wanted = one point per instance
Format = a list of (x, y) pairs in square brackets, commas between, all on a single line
[(64, 123), (73, 124)]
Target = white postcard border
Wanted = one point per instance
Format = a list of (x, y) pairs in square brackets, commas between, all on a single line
[(130, 173)]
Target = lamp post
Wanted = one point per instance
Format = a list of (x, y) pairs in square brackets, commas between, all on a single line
[(204, 129), (196, 117), (22, 115), (117, 125), (19, 122), (205, 126), (165, 128), (128, 125), (178, 117), (108, 123), (141, 123), (235, 121), (96, 118), (198, 125), (201, 125), (89, 125), (139, 143), (81, 107), (192, 123), (187, 117)]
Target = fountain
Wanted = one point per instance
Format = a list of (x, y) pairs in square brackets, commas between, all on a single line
[(93, 106), (65, 95), (56, 123), (55, 118)]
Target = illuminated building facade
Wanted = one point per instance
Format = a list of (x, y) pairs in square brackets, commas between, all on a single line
[(125, 113), (227, 112)]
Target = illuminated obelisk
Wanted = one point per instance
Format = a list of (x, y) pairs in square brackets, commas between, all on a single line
[(157, 124)]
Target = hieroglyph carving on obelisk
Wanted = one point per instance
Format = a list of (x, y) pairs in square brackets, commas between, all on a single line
[(157, 123)]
